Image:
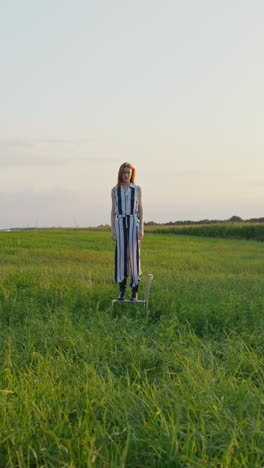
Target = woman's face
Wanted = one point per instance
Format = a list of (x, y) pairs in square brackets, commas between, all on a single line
[(127, 173)]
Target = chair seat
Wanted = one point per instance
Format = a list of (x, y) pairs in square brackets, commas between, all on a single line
[(142, 301), (138, 301)]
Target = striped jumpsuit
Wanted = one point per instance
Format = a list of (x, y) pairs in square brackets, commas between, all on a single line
[(127, 224)]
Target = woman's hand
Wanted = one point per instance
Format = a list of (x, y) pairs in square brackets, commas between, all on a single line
[(141, 235), (113, 236)]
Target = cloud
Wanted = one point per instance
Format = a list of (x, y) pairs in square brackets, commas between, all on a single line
[(256, 183), (26, 152), (188, 172), (31, 142), (52, 207), (15, 143), (50, 152), (31, 161)]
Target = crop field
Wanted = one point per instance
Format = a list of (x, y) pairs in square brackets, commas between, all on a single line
[(227, 230), (183, 389)]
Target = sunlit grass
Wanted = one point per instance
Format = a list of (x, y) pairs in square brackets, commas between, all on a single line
[(227, 230), (79, 389)]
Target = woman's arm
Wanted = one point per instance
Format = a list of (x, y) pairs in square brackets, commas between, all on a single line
[(113, 216), (140, 212)]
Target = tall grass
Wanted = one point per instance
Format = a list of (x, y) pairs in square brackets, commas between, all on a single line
[(230, 230), (79, 389)]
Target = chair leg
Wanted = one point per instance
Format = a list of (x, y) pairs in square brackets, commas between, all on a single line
[(146, 310)]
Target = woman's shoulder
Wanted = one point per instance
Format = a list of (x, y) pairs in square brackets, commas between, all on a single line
[(113, 192), (136, 186)]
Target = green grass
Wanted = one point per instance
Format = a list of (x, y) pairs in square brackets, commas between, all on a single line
[(227, 230), (78, 389)]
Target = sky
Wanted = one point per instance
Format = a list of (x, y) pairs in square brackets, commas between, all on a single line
[(173, 87)]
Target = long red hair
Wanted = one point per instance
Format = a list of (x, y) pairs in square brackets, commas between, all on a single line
[(120, 172)]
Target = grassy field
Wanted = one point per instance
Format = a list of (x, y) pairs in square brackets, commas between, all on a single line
[(185, 389), (227, 230)]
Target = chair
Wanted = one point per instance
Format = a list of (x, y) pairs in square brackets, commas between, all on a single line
[(144, 301)]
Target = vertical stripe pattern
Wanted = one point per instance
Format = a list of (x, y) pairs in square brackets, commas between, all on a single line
[(127, 224)]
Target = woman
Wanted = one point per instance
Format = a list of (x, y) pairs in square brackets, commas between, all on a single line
[(127, 229)]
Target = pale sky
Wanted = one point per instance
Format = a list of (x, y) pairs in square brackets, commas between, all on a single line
[(174, 87)]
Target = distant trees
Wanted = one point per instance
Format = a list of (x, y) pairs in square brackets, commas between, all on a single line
[(233, 219)]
